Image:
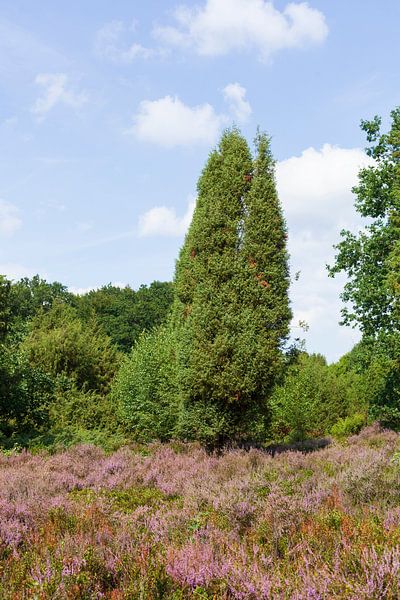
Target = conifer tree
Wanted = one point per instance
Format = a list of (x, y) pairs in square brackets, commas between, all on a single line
[(265, 311), (230, 319)]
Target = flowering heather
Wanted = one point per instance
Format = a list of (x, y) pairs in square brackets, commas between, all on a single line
[(171, 521)]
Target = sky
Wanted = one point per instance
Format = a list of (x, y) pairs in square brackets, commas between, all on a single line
[(108, 112)]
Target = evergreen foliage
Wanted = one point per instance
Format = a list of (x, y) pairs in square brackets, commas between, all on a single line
[(61, 344), (231, 310), (25, 393), (81, 416), (265, 307)]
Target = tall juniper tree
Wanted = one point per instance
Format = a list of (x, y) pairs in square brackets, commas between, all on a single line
[(231, 309), (265, 311)]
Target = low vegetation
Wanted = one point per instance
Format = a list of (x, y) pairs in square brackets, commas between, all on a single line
[(171, 521)]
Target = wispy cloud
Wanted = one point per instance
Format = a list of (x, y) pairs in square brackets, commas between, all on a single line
[(113, 42), (84, 226), (56, 90), (222, 26), (361, 92), (81, 291), (16, 271)]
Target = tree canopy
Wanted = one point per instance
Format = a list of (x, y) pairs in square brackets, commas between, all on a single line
[(371, 258), (124, 313)]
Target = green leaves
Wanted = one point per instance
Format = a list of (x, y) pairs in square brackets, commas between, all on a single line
[(124, 313), (370, 258), (145, 387), (5, 312)]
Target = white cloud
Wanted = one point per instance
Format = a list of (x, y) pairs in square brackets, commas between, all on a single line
[(235, 95), (164, 221), (169, 122), (318, 182), (56, 92), (9, 218), (113, 45), (315, 190), (222, 26)]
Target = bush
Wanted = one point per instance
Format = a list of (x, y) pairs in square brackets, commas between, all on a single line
[(59, 439), (25, 392), (377, 364), (87, 408), (309, 401), (348, 426), (145, 387), (54, 384), (387, 416), (60, 344)]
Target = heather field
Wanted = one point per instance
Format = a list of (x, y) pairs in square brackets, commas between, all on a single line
[(171, 521)]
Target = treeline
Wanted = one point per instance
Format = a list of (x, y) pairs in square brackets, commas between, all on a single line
[(208, 357), (59, 353)]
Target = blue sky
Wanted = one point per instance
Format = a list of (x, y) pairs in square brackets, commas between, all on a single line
[(108, 111)]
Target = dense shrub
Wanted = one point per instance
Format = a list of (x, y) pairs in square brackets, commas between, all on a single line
[(26, 392), (382, 381), (80, 416), (374, 366), (38, 410), (348, 426), (310, 400), (61, 344), (146, 386)]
